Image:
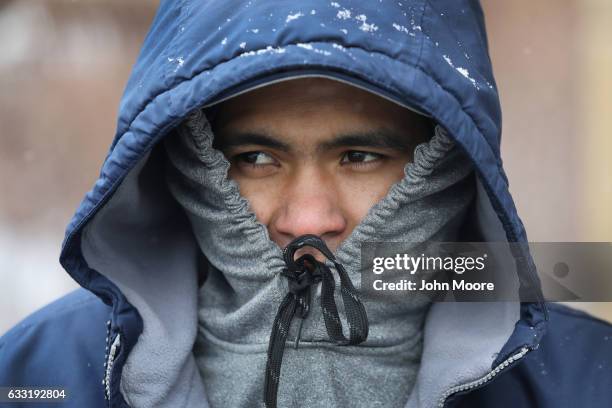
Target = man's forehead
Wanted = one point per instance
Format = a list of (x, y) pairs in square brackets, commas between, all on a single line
[(308, 114), (305, 96)]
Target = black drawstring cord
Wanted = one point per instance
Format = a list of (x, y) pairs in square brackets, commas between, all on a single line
[(302, 274)]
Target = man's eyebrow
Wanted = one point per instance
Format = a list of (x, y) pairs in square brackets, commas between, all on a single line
[(252, 138), (376, 138)]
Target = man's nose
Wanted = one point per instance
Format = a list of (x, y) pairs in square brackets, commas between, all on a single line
[(310, 205)]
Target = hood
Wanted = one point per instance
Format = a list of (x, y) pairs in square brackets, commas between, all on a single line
[(131, 245)]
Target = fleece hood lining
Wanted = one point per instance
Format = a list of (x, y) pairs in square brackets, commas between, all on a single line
[(196, 129), (243, 220)]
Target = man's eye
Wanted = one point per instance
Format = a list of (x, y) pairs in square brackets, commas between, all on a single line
[(355, 156), (256, 158)]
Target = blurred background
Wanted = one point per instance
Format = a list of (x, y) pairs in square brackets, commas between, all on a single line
[(63, 66)]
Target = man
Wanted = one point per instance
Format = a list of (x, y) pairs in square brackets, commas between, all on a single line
[(255, 127)]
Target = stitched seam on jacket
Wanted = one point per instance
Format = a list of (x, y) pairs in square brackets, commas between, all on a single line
[(421, 46)]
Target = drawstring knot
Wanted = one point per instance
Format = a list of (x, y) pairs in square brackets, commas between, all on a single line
[(304, 277), (300, 282), (302, 274)]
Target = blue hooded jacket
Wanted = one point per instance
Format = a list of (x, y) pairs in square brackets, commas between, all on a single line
[(430, 56)]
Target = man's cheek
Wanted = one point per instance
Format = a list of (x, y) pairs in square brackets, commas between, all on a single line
[(359, 195), (263, 199)]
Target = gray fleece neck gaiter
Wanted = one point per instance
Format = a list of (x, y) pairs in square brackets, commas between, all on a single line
[(244, 288)]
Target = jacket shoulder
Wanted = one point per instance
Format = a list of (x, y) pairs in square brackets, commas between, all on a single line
[(572, 367), (567, 314), (78, 301), (61, 345)]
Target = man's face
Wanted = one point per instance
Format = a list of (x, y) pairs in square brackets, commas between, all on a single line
[(313, 155)]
